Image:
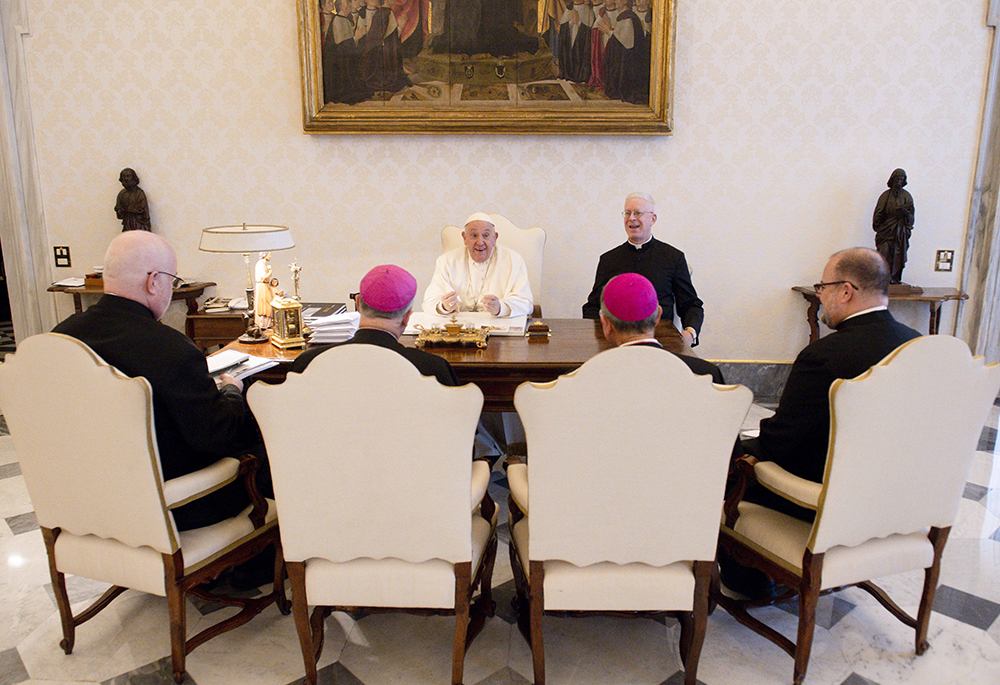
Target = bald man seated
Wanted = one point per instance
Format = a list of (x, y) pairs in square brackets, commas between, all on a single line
[(196, 422), (480, 277)]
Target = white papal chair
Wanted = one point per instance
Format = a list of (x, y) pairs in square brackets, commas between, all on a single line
[(372, 468), (627, 463), (86, 443), (527, 242), (902, 439)]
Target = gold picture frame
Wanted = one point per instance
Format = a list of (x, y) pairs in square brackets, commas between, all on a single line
[(517, 106)]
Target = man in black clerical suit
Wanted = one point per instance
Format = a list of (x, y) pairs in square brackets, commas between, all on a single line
[(385, 302), (197, 423), (664, 265), (629, 314), (854, 295)]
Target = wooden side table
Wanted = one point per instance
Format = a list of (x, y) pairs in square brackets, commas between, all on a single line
[(190, 292), (207, 330), (933, 296)]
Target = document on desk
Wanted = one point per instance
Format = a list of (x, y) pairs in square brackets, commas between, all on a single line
[(71, 282), (237, 364), (500, 325)]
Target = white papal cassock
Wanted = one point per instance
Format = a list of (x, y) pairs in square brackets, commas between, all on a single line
[(504, 275)]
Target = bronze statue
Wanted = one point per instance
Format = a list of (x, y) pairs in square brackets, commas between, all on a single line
[(893, 224), (131, 206)]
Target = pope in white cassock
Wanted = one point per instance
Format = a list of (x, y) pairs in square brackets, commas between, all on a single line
[(482, 276)]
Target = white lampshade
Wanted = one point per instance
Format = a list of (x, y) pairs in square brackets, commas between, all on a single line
[(246, 238)]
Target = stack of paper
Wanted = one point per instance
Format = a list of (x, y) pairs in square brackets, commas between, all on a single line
[(333, 328)]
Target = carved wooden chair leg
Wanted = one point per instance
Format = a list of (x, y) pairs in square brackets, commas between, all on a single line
[(691, 646), (173, 569), (938, 537), (284, 606), (808, 597), (463, 578), (486, 579), (536, 603), (300, 609), (59, 588), (715, 587)]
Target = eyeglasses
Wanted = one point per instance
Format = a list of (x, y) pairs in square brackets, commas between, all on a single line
[(637, 215), (818, 287), (177, 281)]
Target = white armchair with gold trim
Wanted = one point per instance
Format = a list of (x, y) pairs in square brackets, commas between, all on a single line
[(622, 489), (86, 443), (902, 439), (382, 505)]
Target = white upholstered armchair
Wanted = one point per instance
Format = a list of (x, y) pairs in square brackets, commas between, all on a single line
[(86, 442), (902, 439), (385, 508), (527, 242), (617, 508)]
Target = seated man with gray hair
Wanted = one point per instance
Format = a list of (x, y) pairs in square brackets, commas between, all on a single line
[(629, 314), (385, 302), (482, 276)]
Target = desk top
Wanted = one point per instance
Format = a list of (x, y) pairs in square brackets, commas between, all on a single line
[(572, 342)]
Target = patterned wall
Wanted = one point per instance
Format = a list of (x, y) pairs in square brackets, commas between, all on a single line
[(790, 115)]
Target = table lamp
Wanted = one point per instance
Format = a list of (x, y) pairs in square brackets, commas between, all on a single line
[(247, 238)]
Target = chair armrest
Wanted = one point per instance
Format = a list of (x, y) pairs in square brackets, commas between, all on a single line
[(480, 481), (517, 478), (742, 468), (798, 490), (191, 486)]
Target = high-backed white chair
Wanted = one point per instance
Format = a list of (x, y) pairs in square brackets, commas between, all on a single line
[(902, 439), (86, 443), (527, 242), (627, 464), (374, 464)]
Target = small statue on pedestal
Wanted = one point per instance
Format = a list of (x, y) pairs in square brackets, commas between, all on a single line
[(131, 205), (296, 269), (893, 224), (264, 291)]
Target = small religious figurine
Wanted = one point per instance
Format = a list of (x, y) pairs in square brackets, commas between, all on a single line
[(131, 206), (263, 291), (296, 269), (893, 224)]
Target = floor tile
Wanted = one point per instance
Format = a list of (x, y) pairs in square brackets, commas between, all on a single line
[(855, 679), (975, 611), (988, 439), (975, 492), (12, 669), (8, 470), (22, 523), (830, 609), (160, 672)]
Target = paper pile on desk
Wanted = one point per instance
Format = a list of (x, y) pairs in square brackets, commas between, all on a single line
[(500, 325), (333, 328), (239, 365)]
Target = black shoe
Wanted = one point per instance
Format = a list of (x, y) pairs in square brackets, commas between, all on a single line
[(749, 582), (255, 572)]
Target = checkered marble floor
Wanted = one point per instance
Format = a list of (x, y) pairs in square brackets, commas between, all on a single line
[(857, 642)]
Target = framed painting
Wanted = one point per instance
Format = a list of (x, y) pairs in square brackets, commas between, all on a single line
[(487, 66)]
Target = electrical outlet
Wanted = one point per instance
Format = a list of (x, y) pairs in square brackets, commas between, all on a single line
[(62, 255), (944, 260)]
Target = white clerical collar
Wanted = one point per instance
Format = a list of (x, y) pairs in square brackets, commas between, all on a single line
[(642, 243), (878, 308), (642, 341)]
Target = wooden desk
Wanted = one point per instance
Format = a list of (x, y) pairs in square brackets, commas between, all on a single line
[(208, 330), (933, 296), (189, 292), (507, 361)]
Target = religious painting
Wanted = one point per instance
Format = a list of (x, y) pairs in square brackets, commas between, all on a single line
[(487, 66)]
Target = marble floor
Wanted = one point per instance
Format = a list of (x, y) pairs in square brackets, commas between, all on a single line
[(857, 642)]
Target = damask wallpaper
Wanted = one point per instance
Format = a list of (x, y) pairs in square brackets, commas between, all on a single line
[(790, 116)]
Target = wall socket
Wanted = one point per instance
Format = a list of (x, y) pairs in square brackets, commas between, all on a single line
[(62, 255), (944, 260)]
